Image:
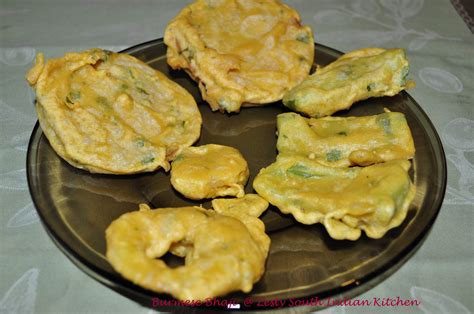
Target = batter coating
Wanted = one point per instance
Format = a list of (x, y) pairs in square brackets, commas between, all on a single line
[(343, 142), (242, 52), (111, 113), (245, 209), (209, 171), (249, 204), (357, 75), (345, 200), (221, 253)]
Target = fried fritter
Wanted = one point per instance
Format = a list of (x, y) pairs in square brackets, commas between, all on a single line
[(242, 52), (245, 209), (345, 200), (357, 75), (249, 204), (342, 142), (111, 113), (222, 253), (209, 171)]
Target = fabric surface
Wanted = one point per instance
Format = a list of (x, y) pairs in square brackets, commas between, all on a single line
[(35, 277)]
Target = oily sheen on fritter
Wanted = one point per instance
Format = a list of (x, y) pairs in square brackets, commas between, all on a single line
[(209, 171), (346, 201), (357, 75), (346, 141), (107, 112), (241, 52), (224, 251)]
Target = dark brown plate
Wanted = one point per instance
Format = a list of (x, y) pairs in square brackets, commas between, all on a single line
[(76, 207)]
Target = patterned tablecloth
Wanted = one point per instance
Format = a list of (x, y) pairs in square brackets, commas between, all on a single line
[(35, 277)]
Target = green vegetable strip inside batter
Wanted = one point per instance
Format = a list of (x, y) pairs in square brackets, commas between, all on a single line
[(300, 171), (102, 101), (224, 103), (370, 87), (188, 53), (385, 124), (291, 104), (333, 155), (105, 56), (72, 97), (403, 79), (304, 38), (141, 90), (147, 160)]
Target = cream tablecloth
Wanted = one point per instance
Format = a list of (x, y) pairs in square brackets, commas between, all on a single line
[(35, 277)]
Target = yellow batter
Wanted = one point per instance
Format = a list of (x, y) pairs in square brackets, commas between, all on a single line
[(345, 200), (209, 171), (111, 113), (342, 142), (245, 209), (357, 75), (222, 253), (242, 52)]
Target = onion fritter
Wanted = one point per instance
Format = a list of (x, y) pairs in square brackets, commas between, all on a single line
[(209, 171), (342, 142), (111, 113), (242, 52), (345, 200), (357, 75), (222, 253)]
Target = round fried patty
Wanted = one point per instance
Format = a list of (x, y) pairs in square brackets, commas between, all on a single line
[(242, 52), (209, 171), (111, 113)]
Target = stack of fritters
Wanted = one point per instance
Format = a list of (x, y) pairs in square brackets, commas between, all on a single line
[(311, 178)]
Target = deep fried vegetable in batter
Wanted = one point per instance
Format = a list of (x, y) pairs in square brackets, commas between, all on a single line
[(222, 253), (341, 142), (245, 209), (242, 52), (357, 75), (111, 113), (249, 204), (345, 200), (209, 171)]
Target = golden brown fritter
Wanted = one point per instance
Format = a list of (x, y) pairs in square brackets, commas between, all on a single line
[(242, 52), (111, 113), (345, 200), (357, 75), (342, 142), (209, 171), (222, 252)]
